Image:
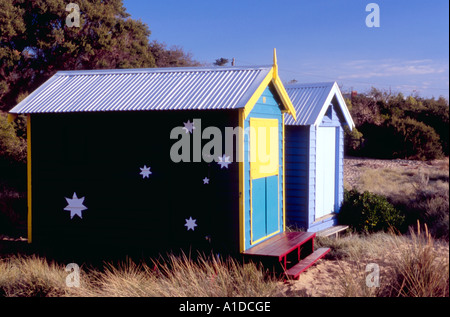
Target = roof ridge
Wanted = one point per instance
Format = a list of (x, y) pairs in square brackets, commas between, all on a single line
[(159, 70), (311, 84)]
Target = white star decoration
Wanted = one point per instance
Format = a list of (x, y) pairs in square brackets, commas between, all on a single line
[(190, 224), (145, 171), (188, 126), (224, 161), (75, 206), (206, 180)]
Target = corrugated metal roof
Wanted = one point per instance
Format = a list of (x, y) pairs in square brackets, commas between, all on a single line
[(312, 100), (145, 89), (308, 101)]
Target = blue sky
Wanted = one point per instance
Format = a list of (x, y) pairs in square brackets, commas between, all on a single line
[(316, 40)]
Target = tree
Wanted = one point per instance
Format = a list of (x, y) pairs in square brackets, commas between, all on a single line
[(171, 57), (418, 140), (12, 148), (221, 61), (353, 141), (395, 126), (36, 41)]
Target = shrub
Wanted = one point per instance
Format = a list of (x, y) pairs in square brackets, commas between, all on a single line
[(395, 126), (12, 147), (353, 141), (435, 114), (13, 153), (419, 140), (368, 212), (13, 211)]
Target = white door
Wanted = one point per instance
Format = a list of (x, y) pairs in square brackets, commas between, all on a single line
[(325, 171)]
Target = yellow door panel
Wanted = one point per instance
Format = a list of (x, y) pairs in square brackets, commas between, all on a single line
[(264, 147)]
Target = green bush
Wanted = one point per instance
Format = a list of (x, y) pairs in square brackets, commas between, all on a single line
[(353, 141), (368, 212), (395, 126), (12, 147), (418, 140), (436, 115)]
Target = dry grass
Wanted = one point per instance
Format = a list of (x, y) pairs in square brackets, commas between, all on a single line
[(31, 277), (411, 265), (179, 276), (419, 192), (402, 181), (421, 267), (176, 276), (352, 254)]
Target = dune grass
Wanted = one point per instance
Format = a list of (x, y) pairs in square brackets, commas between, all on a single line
[(421, 267), (180, 276), (31, 277), (401, 182), (173, 276), (413, 265)]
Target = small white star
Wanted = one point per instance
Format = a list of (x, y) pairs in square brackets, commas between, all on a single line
[(188, 126), (75, 206), (206, 180), (224, 161), (190, 224), (145, 171)]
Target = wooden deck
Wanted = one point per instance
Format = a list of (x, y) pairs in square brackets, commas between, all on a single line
[(281, 244), (298, 247)]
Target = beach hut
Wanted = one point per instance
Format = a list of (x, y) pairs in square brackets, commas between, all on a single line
[(315, 155), (160, 159)]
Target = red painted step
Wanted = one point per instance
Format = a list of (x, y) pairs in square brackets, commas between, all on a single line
[(295, 271)]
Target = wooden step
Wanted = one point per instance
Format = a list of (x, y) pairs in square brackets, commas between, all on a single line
[(301, 266)]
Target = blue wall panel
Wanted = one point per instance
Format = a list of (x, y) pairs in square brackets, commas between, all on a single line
[(297, 171)]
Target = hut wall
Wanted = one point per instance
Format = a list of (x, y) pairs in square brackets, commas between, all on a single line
[(98, 156)]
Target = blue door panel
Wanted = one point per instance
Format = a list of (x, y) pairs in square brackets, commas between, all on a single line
[(258, 208), (272, 204)]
